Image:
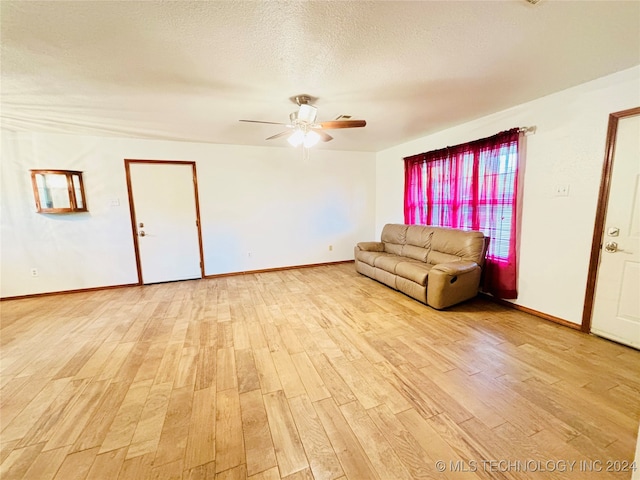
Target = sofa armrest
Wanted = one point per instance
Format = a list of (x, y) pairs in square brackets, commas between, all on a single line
[(370, 246), (455, 268), (451, 283)]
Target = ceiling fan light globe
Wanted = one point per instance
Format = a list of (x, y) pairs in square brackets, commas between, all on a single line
[(311, 138), (296, 138)]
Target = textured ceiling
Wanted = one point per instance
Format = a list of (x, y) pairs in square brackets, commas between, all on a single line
[(190, 70)]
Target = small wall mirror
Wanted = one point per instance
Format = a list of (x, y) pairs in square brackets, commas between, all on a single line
[(58, 191)]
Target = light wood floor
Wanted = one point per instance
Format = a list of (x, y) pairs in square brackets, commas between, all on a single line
[(315, 373)]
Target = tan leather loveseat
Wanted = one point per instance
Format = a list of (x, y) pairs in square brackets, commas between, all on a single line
[(437, 266)]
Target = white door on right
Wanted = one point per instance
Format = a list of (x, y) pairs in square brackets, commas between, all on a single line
[(616, 308)]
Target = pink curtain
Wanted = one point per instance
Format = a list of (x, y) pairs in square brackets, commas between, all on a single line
[(472, 186)]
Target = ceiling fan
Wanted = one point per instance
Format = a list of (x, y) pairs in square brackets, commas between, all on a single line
[(302, 126)]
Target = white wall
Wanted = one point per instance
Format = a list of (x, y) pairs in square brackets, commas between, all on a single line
[(264, 200), (567, 149)]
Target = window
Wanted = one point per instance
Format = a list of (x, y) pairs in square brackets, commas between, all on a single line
[(58, 191), (471, 186)]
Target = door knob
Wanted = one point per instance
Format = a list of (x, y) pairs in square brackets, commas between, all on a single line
[(141, 233), (611, 247)]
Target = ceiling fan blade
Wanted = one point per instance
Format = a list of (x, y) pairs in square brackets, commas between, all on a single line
[(278, 135), (342, 124), (324, 136), (260, 121)]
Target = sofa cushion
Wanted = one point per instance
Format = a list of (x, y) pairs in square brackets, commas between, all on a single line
[(393, 248), (368, 257), (419, 236), (388, 262), (465, 245), (416, 253), (394, 233), (415, 271)]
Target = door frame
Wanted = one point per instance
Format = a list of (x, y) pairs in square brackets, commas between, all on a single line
[(603, 203), (127, 163)]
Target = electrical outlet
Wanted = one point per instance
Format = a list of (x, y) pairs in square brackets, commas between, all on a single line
[(249, 254), (562, 190), (34, 272)]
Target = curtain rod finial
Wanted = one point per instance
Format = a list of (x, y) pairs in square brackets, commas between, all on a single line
[(528, 130)]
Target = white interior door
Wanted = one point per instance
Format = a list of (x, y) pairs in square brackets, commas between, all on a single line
[(164, 203), (616, 308)]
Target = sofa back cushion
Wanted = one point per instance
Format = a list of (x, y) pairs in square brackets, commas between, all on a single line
[(417, 253), (394, 233), (418, 242), (449, 245), (394, 237), (434, 244), (393, 248), (419, 236)]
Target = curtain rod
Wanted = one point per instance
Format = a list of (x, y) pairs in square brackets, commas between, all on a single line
[(526, 130)]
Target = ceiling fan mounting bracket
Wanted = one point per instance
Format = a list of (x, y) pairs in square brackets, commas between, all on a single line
[(303, 99)]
